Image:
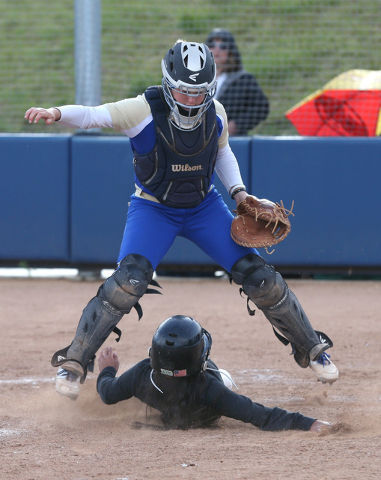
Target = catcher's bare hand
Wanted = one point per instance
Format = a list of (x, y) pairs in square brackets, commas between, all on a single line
[(108, 358), (49, 115), (260, 222)]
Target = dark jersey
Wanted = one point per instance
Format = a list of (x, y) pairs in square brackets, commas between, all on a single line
[(221, 401)]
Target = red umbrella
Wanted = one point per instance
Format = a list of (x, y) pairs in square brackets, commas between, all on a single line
[(349, 105)]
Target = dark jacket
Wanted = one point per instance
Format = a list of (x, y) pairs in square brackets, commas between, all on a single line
[(244, 101), (241, 95), (136, 382)]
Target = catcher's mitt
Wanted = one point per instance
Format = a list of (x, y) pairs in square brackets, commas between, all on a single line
[(260, 222)]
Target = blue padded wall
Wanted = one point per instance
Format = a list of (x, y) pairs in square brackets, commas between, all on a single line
[(64, 198), (335, 185), (102, 180), (34, 197)]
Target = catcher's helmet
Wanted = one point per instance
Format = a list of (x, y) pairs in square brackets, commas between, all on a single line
[(188, 68), (180, 347)]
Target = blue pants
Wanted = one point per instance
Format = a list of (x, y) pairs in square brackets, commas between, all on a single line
[(151, 228)]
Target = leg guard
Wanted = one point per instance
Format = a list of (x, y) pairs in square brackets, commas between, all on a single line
[(115, 297), (269, 292)]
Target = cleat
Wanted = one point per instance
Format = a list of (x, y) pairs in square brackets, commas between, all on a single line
[(67, 383), (74, 367), (324, 369)]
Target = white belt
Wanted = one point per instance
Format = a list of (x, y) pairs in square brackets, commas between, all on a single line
[(139, 193)]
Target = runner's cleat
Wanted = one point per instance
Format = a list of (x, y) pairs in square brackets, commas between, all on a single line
[(67, 383), (324, 369)]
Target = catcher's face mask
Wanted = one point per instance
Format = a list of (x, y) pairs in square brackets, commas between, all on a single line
[(189, 83)]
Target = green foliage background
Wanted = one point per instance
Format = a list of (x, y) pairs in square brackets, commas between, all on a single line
[(293, 47)]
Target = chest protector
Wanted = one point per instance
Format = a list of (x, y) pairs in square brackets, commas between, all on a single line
[(178, 171)]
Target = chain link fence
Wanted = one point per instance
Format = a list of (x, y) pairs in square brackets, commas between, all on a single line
[(292, 47)]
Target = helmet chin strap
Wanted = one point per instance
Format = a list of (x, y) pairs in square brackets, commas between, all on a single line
[(153, 383)]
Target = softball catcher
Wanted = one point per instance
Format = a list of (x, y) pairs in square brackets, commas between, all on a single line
[(178, 133)]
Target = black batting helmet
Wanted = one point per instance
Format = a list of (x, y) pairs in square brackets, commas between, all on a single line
[(180, 347)]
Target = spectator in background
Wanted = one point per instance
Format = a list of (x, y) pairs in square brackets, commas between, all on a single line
[(238, 90)]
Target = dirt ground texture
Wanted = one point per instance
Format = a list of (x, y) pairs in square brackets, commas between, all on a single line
[(44, 435)]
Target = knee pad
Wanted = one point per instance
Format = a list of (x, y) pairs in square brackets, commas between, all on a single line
[(128, 283), (245, 267), (260, 282)]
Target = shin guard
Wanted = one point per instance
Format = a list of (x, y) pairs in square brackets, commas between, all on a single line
[(269, 292), (116, 296)]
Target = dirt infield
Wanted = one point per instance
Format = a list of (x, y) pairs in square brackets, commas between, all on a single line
[(46, 436)]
